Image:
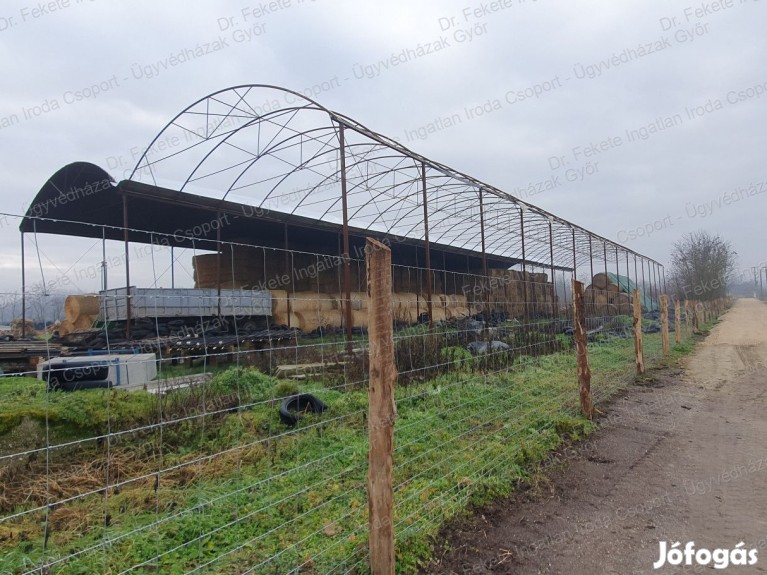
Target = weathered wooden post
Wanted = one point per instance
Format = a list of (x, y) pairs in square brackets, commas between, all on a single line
[(638, 349), (382, 409), (677, 321), (581, 347), (664, 325), (686, 318), (695, 317)]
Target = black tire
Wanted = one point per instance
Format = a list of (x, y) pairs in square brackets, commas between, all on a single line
[(293, 406)]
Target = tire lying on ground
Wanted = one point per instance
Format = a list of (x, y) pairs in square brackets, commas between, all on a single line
[(480, 347), (292, 408)]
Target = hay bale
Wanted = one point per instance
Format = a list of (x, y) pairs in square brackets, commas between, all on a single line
[(359, 300), (405, 307), (309, 321), (600, 281), (16, 326), (76, 306), (84, 322), (279, 302), (360, 318), (305, 301), (65, 327), (284, 318), (600, 298), (457, 312)]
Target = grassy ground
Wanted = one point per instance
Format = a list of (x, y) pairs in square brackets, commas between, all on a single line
[(243, 489)]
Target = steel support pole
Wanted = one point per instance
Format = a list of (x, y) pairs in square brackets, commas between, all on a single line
[(126, 239), (644, 287), (429, 295), (23, 291), (575, 260), (347, 262), (103, 259), (485, 281), (636, 271), (591, 261), (172, 268), (218, 265), (553, 279), (524, 261), (288, 272), (628, 267)]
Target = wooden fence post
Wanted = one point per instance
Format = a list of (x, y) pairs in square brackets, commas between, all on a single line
[(382, 409), (695, 317), (686, 318), (664, 325), (638, 348), (677, 321), (581, 347)]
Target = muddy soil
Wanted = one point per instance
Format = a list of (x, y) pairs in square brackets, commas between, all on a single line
[(680, 456)]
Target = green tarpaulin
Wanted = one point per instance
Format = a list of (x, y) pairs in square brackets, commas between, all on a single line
[(628, 286)]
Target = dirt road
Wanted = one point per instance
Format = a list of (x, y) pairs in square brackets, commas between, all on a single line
[(682, 458)]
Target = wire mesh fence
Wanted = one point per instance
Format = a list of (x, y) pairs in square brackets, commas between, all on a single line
[(200, 402), (220, 423)]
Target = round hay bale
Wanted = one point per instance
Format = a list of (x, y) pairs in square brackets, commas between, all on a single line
[(404, 299), (306, 322), (360, 318), (279, 302), (305, 301), (457, 312), (620, 299), (76, 306), (84, 322), (456, 300), (65, 327), (359, 300), (600, 281), (614, 288), (405, 315), (623, 303), (283, 318), (438, 314), (600, 298), (311, 320)]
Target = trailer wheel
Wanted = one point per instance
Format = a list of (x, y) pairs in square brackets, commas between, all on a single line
[(292, 408)]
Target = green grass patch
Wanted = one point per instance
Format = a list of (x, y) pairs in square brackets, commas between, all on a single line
[(244, 490)]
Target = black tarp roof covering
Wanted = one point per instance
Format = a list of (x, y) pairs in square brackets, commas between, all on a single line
[(83, 200)]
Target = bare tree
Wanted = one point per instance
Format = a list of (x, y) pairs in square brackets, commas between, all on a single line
[(700, 266)]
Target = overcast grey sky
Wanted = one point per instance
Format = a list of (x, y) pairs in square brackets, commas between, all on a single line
[(639, 120)]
